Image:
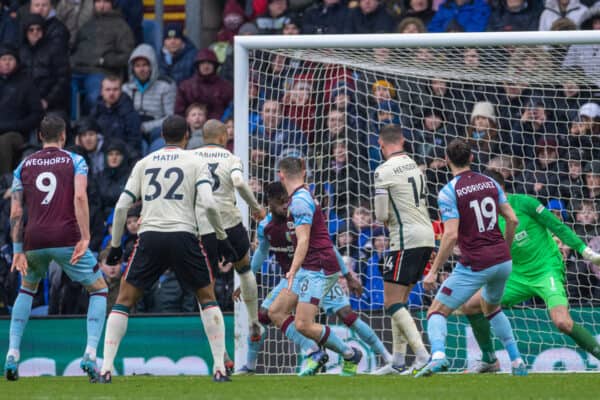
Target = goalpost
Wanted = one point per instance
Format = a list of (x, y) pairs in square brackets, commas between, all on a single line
[(527, 101)]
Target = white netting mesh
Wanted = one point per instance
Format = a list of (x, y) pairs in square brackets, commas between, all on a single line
[(530, 112)]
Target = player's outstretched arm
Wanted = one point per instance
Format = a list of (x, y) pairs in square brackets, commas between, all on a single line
[(16, 232), (449, 239), (246, 193), (82, 214), (262, 251), (511, 222)]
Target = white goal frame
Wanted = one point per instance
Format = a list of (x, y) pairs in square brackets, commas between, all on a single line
[(243, 44)]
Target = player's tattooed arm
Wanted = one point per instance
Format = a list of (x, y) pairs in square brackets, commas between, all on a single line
[(16, 217)]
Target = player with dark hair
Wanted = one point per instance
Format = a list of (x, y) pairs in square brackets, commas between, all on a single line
[(51, 184), (538, 270), (469, 205), (172, 185), (272, 238)]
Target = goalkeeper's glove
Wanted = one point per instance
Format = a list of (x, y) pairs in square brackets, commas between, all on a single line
[(591, 255), (114, 255), (226, 251)]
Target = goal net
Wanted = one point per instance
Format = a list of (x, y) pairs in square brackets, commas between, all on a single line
[(530, 111)]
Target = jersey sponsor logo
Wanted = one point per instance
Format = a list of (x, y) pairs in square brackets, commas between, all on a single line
[(521, 236), (44, 162), (447, 291), (478, 187)]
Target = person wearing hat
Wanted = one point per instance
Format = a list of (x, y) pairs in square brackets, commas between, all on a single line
[(177, 54), (102, 48), (46, 64), (272, 21), (9, 30), (482, 133), (92, 142), (113, 178), (591, 190), (583, 132), (205, 87), (20, 108), (55, 31)]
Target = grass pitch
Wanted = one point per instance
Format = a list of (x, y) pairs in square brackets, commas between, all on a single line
[(446, 387)]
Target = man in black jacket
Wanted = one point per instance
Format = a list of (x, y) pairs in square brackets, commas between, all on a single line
[(327, 17), (369, 17), (20, 108)]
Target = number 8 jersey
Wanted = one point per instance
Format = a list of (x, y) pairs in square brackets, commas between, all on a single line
[(47, 180), (474, 199), (408, 222)]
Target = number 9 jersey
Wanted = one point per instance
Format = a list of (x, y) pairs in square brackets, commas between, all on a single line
[(402, 181), (47, 180)]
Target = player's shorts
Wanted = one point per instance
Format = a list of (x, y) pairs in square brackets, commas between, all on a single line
[(312, 286), (155, 252), (405, 267), (463, 283), (238, 237), (334, 300), (550, 287), (86, 271)]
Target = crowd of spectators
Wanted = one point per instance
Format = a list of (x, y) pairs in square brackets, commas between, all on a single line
[(87, 62)]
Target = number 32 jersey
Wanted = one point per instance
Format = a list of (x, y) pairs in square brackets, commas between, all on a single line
[(221, 163), (474, 199), (166, 182), (47, 180), (401, 180)]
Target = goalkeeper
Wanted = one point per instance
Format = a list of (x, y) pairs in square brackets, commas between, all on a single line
[(538, 270)]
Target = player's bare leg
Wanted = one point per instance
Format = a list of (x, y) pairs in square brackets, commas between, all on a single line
[(483, 335), (95, 324), (19, 317), (396, 299), (214, 326), (116, 326), (249, 296)]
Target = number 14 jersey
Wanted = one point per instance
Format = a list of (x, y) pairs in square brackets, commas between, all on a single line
[(402, 181)]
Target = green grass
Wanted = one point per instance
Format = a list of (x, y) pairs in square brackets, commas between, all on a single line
[(446, 387)]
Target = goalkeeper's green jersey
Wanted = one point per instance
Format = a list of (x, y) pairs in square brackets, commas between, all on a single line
[(534, 251)]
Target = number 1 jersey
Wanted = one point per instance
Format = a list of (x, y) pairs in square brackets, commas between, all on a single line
[(47, 180), (402, 181), (166, 183)]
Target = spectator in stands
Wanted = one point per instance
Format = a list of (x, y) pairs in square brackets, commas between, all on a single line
[(326, 17), (372, 296), (533, 125), (102, 48), (555, 9), (55, 31), (544, 172), (570, 97), (114, 176), (205, 87), (440, 95), (431, 133), (92, 142), (586, 218), (74, 14), (513, 97), (45, 64), (420, 9), (112, 277), (271, 22), (133, 12), (587, 56), (153, 95), (482, 134), (362, 221), (20, 108), (385, 113), (584, 132), (514, 15), (9, 29), (132, 227), (370, 16), (471, 16), (117, 118), (510, 168), (226, 70), (196, 116), (230, 125), (411, 25), (298, 104), (169, 297), (558, 52), (572, 183), (177, 55)]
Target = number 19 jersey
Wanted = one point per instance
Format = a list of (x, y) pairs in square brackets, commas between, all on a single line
[(221, 163), (402, 181), (166, 182)]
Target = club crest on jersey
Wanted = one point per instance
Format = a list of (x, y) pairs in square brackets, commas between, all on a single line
[(290, 225)]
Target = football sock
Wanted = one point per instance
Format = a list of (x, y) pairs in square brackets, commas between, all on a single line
[(365, 332), (402, 318), (253, 349), (116, 326), (95, 320), (249, 294), (503, 331), (214, 326), (18, 320), (331, 341), (585, 340), (399, 345), (307, 345), (483, 336), (437, 330)]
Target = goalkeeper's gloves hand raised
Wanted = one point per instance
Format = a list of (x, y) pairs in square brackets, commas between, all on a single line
[(114, 255), (591, 255)]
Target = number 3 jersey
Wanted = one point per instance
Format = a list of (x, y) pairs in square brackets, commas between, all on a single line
[(47, 180), (401, 180), (474, 199), (221, 163), (166, 183)]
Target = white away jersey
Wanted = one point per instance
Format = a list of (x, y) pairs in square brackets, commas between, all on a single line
[(402, 181), (221, 163), (166, 182)]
